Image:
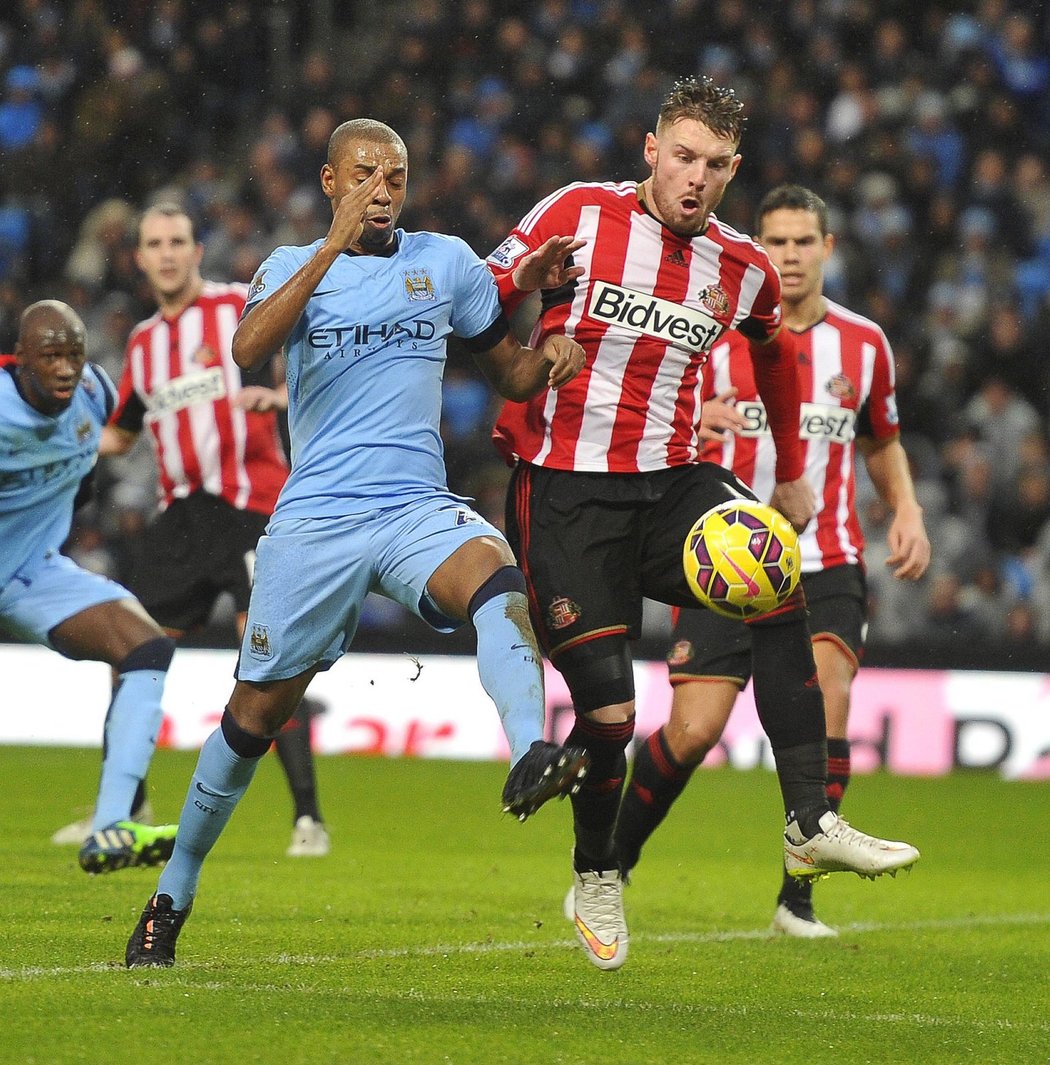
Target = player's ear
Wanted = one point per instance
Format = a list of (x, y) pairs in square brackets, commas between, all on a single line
[(651, 150), (328, 180)]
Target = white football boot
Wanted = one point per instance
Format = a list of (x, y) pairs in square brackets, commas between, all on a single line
[(597, 913), (840, 848), (787, 923), (309, 839)]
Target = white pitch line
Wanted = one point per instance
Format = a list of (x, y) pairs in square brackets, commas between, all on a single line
[(34, 972)]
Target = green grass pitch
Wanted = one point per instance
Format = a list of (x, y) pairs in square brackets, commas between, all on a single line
[(433, 933)]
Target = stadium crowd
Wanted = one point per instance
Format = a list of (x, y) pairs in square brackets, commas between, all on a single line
[(926, 128)]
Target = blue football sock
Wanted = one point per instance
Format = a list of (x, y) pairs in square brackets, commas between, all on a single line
[(131, 734), (222, 776), (511, 668)]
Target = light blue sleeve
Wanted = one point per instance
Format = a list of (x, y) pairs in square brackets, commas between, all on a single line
[(278, 266), (476, 305)]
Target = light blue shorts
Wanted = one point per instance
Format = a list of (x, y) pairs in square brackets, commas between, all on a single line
[(48, 591), (312, 575)]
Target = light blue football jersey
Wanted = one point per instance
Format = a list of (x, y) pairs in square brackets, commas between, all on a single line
[(43, 459), (365, 363)]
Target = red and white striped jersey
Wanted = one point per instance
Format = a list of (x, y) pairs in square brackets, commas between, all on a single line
[(647, 309), (846, 376), (179, 378)]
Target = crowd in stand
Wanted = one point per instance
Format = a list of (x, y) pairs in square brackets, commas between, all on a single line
[(926, 127)]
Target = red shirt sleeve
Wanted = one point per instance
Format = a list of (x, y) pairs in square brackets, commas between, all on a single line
[(776, 377), (130, 412), (879, 419)]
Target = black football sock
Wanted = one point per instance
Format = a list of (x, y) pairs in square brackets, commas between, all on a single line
[(839, 769), (797, 894), (656, 781), (595, 805), (292, 744), (791, 710)]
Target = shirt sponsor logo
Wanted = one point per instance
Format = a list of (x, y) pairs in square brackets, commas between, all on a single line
[(362, 334), (187, 391), (418, 286), (507, 252), (649, 316), (817, 421)]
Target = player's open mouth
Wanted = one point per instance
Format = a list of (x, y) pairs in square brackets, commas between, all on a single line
[(689, 204), (381, 221)]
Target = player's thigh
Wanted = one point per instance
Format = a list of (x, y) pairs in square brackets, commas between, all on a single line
[(432, 553), (690, 492), (311, 577), (43, 597), (172, 578), (578, 546), (836, 600), (228, 539)]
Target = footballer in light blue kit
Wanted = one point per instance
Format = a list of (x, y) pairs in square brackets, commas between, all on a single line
[(364, 316), (53, 404)]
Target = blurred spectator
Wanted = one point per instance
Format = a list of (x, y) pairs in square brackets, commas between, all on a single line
[(20, 111)]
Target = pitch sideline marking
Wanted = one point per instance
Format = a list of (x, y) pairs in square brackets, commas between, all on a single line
[(32, 972)]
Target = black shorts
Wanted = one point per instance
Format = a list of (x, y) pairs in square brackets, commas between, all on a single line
[(709, 645), (593, 544), (198, 548)]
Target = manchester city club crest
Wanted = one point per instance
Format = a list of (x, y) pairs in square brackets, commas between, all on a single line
[(418, 286), (259, 642)]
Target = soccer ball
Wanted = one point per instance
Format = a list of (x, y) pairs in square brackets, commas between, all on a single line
[(742, 559)]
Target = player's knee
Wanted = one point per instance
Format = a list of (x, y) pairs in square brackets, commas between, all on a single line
[(240, 740), (505, 579), (695, 726), (598, 673), (154, 655)]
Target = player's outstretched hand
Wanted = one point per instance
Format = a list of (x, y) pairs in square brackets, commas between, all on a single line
[(545, 267), (349, 218), (719, 416), (566, 358), (258, 398), (796, 501)]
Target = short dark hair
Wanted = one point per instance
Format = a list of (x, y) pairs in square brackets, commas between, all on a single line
[(699, 98), (363, 129), (792, 198), (169, 209)]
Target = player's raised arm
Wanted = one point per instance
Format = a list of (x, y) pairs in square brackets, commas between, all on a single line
[(548, 266), (265, 328)]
